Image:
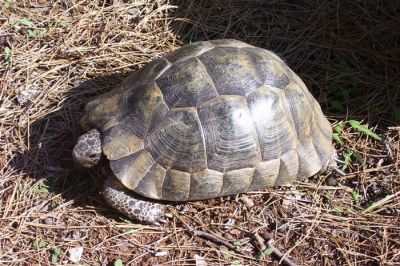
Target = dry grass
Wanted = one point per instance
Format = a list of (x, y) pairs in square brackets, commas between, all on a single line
[(347, 53)]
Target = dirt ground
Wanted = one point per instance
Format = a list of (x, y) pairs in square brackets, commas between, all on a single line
[(57, 55)]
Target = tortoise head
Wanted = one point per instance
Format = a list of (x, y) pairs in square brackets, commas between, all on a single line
[(87, 150)]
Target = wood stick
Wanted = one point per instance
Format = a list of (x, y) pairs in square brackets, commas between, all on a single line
[(260, 241)]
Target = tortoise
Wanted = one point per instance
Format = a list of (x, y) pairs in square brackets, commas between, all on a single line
[(210, 119)]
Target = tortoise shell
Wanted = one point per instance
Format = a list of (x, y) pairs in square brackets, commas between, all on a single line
[(211, 119)]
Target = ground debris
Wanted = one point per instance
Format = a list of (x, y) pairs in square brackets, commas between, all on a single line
[(27, 93), (75, 254), (200, 261), (248, 202), (55, 56)]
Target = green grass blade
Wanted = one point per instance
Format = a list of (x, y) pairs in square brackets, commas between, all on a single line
[(357, 126)]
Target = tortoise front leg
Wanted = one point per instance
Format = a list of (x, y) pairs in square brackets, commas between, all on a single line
[(125, 202)]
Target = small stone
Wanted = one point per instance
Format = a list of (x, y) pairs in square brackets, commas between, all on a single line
[(228, 236), (331, 181), (230, 223), (75, 235), (235, 232), (48, 221), (286, 203), (124, 246), (134, 12), (223, 249), (161, 254), (267, 235), (75, 254), (283, 228), (3, 110), (3, 40), (200, 261), (183, 209), (248, 202), (47, 208)]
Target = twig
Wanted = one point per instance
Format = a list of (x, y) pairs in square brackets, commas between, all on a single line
[(217, 240), (278, 253), (390, 152), (377, 169), (339, 171), (260, 241), (381, 202), (338, 160), (210, 237)]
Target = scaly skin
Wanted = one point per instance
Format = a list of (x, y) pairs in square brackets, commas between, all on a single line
[(125, 202), (87, 150)]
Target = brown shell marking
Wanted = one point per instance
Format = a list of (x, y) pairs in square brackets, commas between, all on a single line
[(272, 70), (113, 106), (186, 84), (118, 142), (189, 51), (205, 184), (275, 130), (236, 181), (103, 112), (265, 175), (288, 168), (304, 119), (132, 168), (232, 70), (151, 184), (231, 140), (178, 142), (126, 137), (176, 185)]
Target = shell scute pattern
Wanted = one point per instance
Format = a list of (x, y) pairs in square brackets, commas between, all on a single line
[(231, 140), (272, 70), (178, 141), (232, 70), (186, 84), (211, 119)]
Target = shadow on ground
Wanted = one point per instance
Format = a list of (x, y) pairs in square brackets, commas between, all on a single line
[(347, 53), (51, 140)]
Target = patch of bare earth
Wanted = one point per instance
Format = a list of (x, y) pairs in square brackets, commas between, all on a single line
[(57, 55)]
